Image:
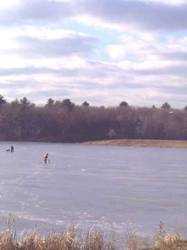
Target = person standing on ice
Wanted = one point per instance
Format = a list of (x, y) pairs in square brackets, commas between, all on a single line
[(12, 149), (46, 158)]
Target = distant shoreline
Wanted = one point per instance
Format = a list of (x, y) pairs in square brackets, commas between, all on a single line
[(140, 143)]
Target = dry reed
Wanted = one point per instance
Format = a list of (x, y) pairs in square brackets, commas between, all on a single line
[(92, 240)]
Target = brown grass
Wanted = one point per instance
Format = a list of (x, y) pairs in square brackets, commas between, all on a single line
[(141, 143), (93, 240), (162, 240), (64, 241)]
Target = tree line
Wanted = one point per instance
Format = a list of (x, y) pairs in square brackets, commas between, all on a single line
[(64, 121)]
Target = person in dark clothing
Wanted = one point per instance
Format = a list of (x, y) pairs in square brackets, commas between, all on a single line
[(46, 158), (12, 149)]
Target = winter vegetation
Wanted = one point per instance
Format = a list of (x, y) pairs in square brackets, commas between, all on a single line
[(64, 121), (72, 239)]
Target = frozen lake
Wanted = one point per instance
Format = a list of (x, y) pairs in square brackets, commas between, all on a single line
[(93, 185)]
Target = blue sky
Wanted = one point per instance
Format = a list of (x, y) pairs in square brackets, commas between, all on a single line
[(102, 51)]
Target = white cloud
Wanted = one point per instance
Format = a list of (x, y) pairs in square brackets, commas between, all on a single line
[(96, 22), (133, 62), (4, 5), (172, 2)]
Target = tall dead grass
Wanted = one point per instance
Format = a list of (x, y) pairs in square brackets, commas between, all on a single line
[(162, 240), (92, 240), (69, 240)]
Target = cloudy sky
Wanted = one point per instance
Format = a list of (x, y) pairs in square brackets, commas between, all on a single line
[(102, 51)]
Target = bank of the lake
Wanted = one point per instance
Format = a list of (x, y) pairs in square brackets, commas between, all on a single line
[(141, 143), (72, 239)]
